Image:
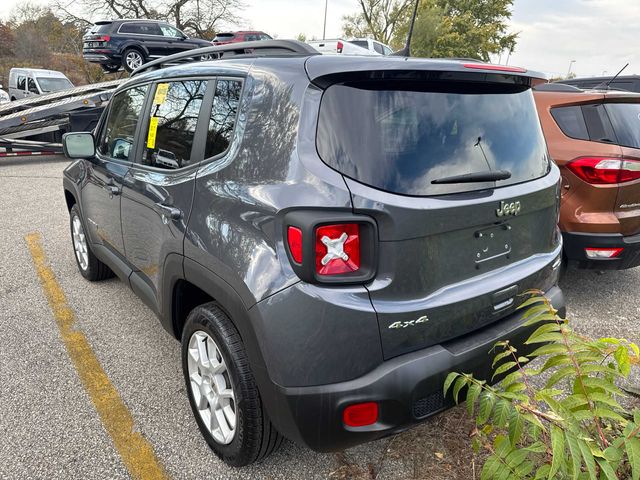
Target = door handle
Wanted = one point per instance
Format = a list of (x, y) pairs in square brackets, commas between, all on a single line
[(172, 212)]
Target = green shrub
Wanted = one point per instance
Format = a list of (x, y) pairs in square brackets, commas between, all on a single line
[(572, 427)]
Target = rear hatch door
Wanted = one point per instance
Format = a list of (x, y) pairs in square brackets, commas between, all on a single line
[(453, 256)]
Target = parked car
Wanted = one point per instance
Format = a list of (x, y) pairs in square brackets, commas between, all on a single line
[(594, 137), (224, 38), (362, 46), (623, 82), (325, 269), (131, 43), (27, 82), (4, 96)]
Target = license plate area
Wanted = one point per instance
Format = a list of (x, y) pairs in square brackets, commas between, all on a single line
[(492, 242)]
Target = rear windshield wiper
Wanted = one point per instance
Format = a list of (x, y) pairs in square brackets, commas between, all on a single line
[(490, 176)]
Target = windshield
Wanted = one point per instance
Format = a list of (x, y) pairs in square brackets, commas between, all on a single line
[(53, 84), (400, 137)]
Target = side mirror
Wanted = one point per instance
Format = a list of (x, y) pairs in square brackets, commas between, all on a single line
[(78, 145)]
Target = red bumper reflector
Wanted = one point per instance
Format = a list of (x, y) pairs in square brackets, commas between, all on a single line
[(360, 414), (596, 253)]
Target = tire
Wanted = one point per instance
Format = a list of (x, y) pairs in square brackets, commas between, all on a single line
[(89, 266), (110, 68), (254, 438), (132, 58)]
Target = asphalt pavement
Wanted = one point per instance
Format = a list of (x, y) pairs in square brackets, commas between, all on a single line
[(49, 427)]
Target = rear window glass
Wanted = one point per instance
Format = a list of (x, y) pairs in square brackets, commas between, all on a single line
[(221, 37), (571, 122), (360, 43), (625, 118), (401, 137), (103, 28)]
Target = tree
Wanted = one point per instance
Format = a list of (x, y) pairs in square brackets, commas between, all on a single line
[(444, 28), (197, 17), (377, 19), (7, 40)]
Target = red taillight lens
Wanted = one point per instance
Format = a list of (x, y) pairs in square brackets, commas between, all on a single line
[(360, 414), (605, 171), (294, 239), (103, 38), (337, 249), (340, 47)]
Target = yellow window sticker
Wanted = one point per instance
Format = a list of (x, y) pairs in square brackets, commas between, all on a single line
[(153, 129), (161, 93)]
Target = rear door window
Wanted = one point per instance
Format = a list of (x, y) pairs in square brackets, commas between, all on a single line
[(22, 82), (401, 136), (173, 122), (625, 118), (116, 140)]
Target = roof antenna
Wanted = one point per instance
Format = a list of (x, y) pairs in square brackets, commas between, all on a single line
[(406, 51), (605, 85)]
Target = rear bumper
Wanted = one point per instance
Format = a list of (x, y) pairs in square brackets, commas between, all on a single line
[(407, 388), (102, 58), (576, 243)]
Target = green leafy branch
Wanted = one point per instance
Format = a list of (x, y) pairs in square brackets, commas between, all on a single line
[(574, 426)]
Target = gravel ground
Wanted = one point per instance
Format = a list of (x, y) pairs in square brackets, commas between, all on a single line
[(49, 428)]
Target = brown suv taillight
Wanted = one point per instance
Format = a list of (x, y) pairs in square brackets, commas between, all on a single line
[(331, 248), (605, 171)]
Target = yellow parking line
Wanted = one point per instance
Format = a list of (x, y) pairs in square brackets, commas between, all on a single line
[(136, 452)]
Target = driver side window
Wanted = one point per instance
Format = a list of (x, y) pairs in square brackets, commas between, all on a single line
[(169, 31), (116, 139)]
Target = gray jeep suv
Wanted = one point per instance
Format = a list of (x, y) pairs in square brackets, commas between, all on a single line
[(328, 236)]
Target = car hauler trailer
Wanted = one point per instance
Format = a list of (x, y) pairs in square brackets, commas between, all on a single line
[(34, 126)]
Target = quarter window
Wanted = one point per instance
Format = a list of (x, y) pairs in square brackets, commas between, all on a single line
[(223, 116), (117, 136), (571, 122), (172, 126)]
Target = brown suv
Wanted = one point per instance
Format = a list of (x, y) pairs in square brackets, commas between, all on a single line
[(594, 137)]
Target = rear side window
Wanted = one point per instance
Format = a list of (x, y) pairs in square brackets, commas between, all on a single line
[(22, 82), (584, 122), (223, 116), (141, 28), (117, 135), (172, 126), (401, 136), (625, 118), (571, 122)]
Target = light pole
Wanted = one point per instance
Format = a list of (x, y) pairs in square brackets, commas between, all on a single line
[(570, 65), (324, 30)]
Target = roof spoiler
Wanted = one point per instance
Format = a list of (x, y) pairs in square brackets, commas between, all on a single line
[(262, 48)]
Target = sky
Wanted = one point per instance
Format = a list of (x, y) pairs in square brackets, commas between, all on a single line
[(600, 35)]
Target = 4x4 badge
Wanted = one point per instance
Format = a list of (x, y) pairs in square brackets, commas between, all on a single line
[(512, 208), (410, 323)]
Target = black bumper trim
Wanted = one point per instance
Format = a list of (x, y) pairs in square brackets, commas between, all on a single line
[(406, 388), (575, 244)]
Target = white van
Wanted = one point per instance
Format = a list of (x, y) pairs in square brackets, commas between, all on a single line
[(27, 82)]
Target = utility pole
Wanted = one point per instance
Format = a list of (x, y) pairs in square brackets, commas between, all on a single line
[(324, 30)]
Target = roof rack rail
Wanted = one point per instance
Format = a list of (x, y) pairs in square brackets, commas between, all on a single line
[(557, 87), (262, 48)]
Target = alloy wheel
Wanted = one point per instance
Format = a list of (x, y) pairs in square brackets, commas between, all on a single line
[(134, 60), (80, 243), (211, 387)]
